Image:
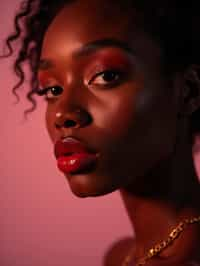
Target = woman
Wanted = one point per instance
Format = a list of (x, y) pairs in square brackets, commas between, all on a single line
[(122, 85)]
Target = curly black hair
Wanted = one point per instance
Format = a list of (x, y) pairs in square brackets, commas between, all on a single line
[(173, 25)]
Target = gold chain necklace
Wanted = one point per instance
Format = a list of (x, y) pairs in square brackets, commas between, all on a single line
[(152, 252)]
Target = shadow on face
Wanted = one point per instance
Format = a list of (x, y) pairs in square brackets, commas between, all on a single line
[(111, 70)]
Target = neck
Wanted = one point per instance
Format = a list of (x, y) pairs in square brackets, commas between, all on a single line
[(153, 219)]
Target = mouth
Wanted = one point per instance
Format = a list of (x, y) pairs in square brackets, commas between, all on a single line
[(75, 163), (74, 156)]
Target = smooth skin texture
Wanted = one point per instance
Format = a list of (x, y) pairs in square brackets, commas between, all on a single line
[(133, 118)]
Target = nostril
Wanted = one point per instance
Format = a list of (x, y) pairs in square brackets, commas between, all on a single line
[(57, 126), (70, 123)]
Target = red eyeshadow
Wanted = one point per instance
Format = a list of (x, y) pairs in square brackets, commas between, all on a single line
[(43, 77), (113, 59)]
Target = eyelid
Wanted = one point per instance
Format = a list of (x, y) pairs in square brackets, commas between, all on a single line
[(120, 72), (45, 82), (41, 92), (44, 91), (100, 68), (91, 73)]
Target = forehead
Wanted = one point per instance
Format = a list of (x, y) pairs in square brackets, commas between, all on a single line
[(85, 21), (100, 10)]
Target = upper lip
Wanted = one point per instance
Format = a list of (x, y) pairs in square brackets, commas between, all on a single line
[(69, 145)]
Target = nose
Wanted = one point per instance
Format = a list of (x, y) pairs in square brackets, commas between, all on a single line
[(69, 109), (72, 119)]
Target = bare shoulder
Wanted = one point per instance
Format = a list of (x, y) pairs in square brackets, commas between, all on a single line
[(118, 250)]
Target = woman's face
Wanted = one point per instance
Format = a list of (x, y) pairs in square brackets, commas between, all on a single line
[(132, 111)]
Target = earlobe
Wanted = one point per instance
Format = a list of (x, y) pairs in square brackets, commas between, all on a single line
[(190, 91)]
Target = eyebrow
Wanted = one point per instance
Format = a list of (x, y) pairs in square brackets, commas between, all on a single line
[(90, 48)]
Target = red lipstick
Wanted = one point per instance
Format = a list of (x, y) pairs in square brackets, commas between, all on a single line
[(73, 156)]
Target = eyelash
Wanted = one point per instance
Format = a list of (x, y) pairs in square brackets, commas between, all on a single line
[(120, 75)]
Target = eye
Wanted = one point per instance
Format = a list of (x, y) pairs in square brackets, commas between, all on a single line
[(107, 77), (50, 92)]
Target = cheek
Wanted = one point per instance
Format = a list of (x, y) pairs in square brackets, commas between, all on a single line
[(118, 112), (119, 117), (49, 124)]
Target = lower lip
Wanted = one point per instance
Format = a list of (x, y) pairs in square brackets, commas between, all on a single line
[(77, 163)]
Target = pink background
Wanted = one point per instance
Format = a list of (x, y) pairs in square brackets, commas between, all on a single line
[(41, 222)]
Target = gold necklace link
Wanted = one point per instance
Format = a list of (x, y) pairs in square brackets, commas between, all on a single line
[(152, 252)]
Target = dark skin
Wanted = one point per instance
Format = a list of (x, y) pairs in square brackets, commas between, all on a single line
[(133, 119)]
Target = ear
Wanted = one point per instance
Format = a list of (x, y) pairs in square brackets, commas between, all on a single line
[(190, 90)]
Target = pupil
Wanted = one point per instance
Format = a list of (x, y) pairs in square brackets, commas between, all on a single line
[(56, 90), (108, 76)]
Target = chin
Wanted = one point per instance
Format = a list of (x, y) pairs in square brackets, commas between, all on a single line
[(82, 187)]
